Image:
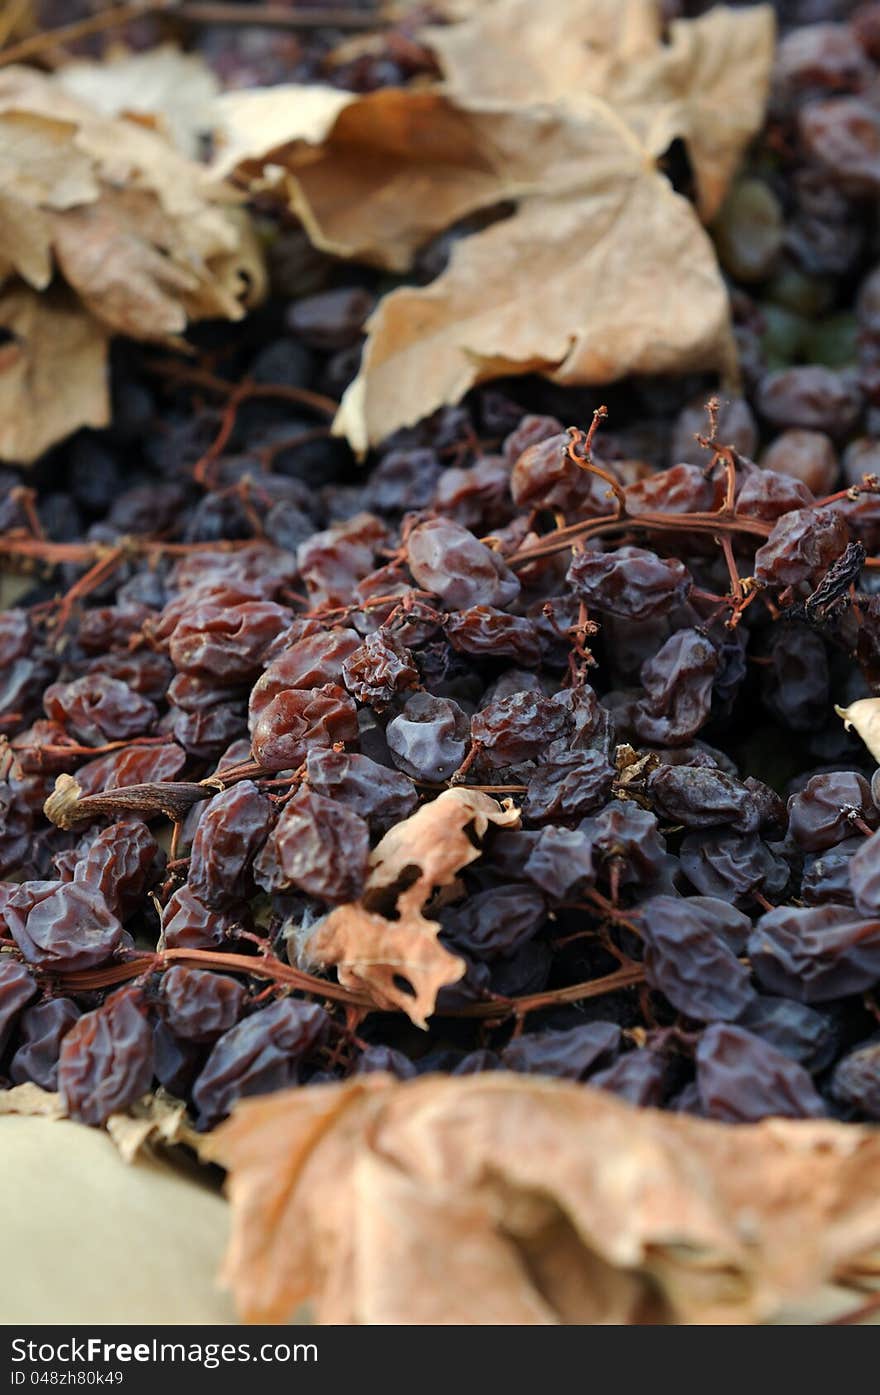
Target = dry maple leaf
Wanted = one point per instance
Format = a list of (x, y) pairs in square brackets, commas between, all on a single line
[(864, 717), (702, 80), (384, 944), (31, 1100), (163, 87), (53, 375), (155, 1119), (147, 240), (602, 270), (494, 1199)]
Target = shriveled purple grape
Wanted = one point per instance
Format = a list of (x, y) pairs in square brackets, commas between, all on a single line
[(299, 720), (225, 643), (698, 797), (106, 1059), (483, 631), (309, 662), (741, 1079), (97, 709), (812, 397), (231, 831), (568, 787), (63, 926), (641, 1077), (318, 846), (678, 690), (803, 545), (826, 875), (495, 923), (17, 987), (379, 669), (795, 1029), (815, 953), (200, 1005), (733, 867), (856, 1080), (187, 923), (821, 814), (625, 837), (630, 582), (428, 739), (381, 796), (41, 1030), (261, 1054), (516, 728), (450, 562), (118, 863), (560, 862), (692, 967), (572, 1054)]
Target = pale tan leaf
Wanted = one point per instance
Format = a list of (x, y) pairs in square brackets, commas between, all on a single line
[(176, 88), (249, 126), (433, 842), (619, 279), (30, 1099), (399, 962), (25, 242), (53, 374), (864, 717), (706, 82), (373, 178), (397, 958), (86, 1236), (561, 111), (39, 163), (148, 239), (155, 1119), (498, 1199)]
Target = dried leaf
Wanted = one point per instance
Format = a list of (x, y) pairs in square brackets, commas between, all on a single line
[(494, 1199), (864, 717), (29, 1099), (396, 957), (603, 310), (53, 375), (156, 1119), (705, 80), (601, 271), (147, 239), (83, 1234), (165, 86)]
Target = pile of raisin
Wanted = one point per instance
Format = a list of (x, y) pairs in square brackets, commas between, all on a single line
[(256, 655)]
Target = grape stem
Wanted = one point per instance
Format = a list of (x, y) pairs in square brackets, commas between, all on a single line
[(212, 12), (270, 967)]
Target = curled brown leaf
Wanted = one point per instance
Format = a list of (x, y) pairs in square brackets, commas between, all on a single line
[(385, 945), (494, 1199), (560, 112)]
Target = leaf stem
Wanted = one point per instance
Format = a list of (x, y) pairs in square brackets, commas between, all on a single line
[(215, 12)]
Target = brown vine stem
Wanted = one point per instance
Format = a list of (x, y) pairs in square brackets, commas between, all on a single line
[(215, 12), (111, 18), (579, 453), (269, 967), (22, 545), (648, 522), (574, 993), (190, 376), (277, 16)]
